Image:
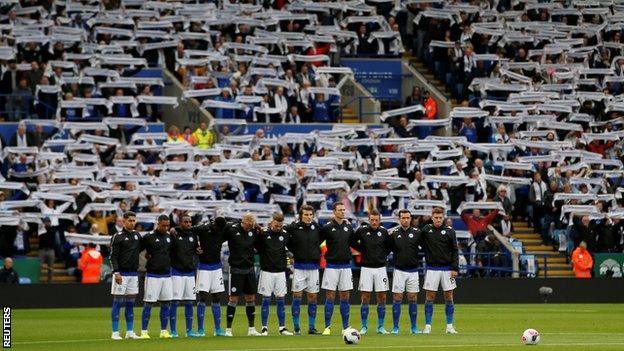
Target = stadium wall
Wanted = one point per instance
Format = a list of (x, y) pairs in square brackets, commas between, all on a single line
[(188, 112), (524, 290), (355, 96)]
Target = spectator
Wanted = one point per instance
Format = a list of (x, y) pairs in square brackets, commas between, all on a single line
[(281, 103), (148, 111), (203, 137), (36, 72), (96, 217), (226, 96), (71, 114), (23, 99), (476, 189), (415, 98), (550, 210), (320, 109), (536, 199), (402, 129), (8, 275), (50, 208), (431, 106), (364, 46), (293, 116), (501, 136), (22, 166), (305, 102), (478, 225), (582, 261), (121, 110), (21, 138), (304, 77), (47, 247), (90, 264), (585, 232), (39, 137), (505, 222), (174, 135), (188, 136), (469, 130), (9, 83), (490, 255), (611, 238)]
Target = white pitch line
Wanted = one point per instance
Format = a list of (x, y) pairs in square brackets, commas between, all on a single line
[(55, 341), (365, 347), (436, 346)]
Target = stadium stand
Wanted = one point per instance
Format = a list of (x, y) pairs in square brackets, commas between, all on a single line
[(536, 131), (543, 72)]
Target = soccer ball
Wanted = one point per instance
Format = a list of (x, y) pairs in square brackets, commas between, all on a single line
[(351, 336), (530, 337)]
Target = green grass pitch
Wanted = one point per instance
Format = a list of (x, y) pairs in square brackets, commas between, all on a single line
[(492, 327)]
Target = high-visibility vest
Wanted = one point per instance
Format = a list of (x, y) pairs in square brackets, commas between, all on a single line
[(431, 108), (583, 263), (205, 139), (91, 265)]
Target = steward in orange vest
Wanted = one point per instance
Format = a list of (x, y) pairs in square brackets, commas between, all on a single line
[(582, 261), (90, 264)]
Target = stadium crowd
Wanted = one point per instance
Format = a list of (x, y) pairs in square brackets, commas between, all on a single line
[(550, 73), (67, 61), (539, 125)]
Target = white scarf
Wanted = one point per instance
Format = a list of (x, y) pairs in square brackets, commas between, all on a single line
[(539, 189)]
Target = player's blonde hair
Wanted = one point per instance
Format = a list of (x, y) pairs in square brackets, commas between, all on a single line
[(248, 218)]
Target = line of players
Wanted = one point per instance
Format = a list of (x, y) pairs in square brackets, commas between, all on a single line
[(172, 277)]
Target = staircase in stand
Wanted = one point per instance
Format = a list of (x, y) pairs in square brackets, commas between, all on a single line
[(439, 85), (349, 116), (556, 266), (59, 270)]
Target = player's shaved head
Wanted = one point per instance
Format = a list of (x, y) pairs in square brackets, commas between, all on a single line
[(163, 223), (186, 221)]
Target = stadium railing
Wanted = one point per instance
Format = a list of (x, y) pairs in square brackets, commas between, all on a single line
[(31, 110), (350, 91), (515, 255)]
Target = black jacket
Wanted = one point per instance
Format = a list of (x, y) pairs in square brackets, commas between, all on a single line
[(8, 276), (211, 240), (183, 247), (440, 246), (338, 237), (405, 245), (272, 249), (241, 244), (158, 252), (373, 244), (125, 250), (304, 242), (47, 239), (29, 139), (39, 138)]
